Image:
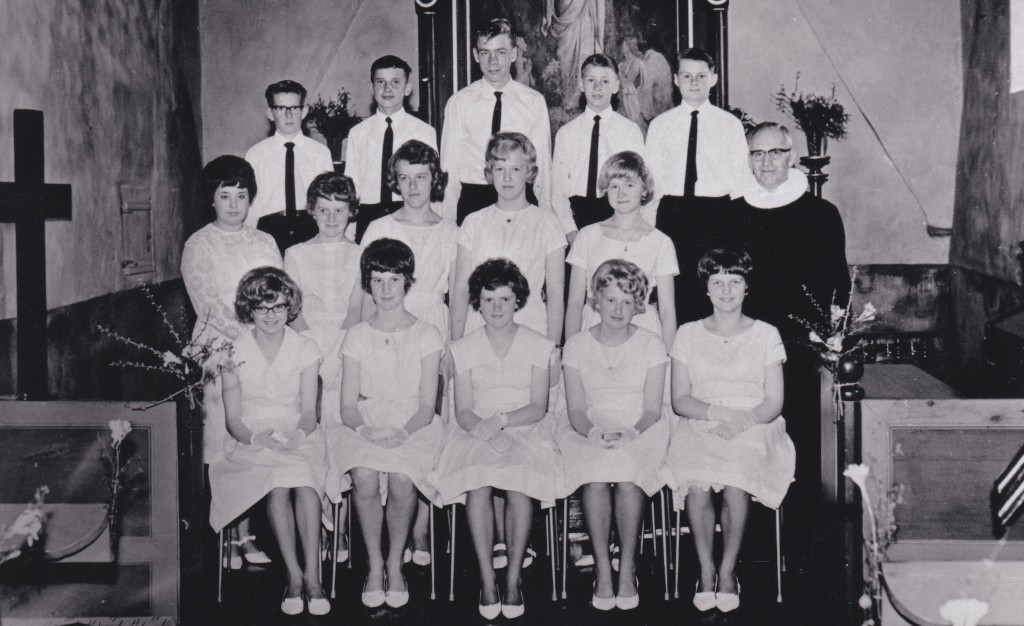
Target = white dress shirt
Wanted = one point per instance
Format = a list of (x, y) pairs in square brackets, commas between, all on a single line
[(723, 164), (267, 159), (467, 128), (571, 163), (366, 145)]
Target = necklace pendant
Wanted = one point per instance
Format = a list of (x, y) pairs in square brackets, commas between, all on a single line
[(508, 221), (387, 341)]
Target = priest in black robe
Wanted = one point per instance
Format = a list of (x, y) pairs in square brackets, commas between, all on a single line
[(798, 246)]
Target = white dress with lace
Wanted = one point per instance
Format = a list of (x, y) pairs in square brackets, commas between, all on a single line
[(212, 265), (730, 371), (327, 274)]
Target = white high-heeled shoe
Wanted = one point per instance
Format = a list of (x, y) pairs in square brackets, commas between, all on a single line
[(704, 600), (727, 602), (489, 611)]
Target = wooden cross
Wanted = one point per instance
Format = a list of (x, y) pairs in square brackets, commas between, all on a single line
[(27, 203)]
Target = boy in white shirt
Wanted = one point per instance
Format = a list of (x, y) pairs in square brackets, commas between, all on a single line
[(370, 147), (489, 105), (697, 154), (286, 108), (585, 143)]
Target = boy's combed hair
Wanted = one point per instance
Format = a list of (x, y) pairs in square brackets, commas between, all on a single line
[(493, 28), (387, 62), (600, 60), (263, 285), (496, 273), (625, 275), (415, 152), (698, 54), (622, 164), (502, 144), (284, 86), (764, 126), (725, 261), (333, 186), (387, 255), (228, 171)]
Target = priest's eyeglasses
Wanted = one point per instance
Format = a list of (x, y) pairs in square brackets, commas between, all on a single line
[(774, 153), (267, 310)]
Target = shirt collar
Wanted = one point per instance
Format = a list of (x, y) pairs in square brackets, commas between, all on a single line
[(491, 90), (395, 117), (283, 140), (590, 113)]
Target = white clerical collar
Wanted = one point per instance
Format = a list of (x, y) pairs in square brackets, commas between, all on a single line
[(786, 193)]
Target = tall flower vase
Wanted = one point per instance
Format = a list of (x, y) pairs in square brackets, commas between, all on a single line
[(817, 143)]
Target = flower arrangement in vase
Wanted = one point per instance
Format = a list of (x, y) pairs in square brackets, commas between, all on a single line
[(819, 117), (333, 119)]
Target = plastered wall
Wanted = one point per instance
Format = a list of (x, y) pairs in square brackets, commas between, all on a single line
[(897, 68), (323, 44), (117, 109)]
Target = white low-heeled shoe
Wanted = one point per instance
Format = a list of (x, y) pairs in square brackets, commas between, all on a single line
[(628, 603), (512, 611), (601, 604), (373, 599), (318, 606), (421, 558), (292, 606), (727, 602), (704, 600), (489, 611)]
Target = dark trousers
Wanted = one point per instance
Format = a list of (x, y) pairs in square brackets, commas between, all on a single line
[(370, 212), (475, 197), (587, 211), (695, 225)]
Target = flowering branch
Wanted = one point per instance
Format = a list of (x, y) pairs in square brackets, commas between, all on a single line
[(25, 530), (871, 600)]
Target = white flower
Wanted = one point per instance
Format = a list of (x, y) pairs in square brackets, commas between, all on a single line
[(837, 313), (963, 611), (868, 314), (815, 338), (171, 358), (835, 343), (864, 602), (119, 429), (858, 474), (28, 523)]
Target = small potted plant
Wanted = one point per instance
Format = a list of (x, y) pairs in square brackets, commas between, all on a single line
[(820, 117), (333, 119)]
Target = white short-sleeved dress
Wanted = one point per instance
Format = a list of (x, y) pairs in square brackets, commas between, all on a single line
[(655, 254), (326, 273), (524, 237), (532, 466), (613, 382), (434, 247), (242, 474), (212, 264), (390, 364), (730, 371)]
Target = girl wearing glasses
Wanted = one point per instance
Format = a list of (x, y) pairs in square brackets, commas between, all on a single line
[(275, 447)]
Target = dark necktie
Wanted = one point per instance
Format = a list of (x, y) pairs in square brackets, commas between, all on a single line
[(385, 156), (690, 181), (289, 179), (595, 136), (496, 117)]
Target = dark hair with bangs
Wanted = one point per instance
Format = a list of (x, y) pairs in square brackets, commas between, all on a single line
[(496, 273), (263, 285), (387, 255), (725, 261), (333, 186), (228, 171)]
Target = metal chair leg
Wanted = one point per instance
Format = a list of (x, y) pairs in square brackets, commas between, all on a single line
[(678, 539), (664, 544), (433, 588), (778, 557), (451, 582), (565, 542), (334, 548), (220, 562), (348, 531), (550, 530)]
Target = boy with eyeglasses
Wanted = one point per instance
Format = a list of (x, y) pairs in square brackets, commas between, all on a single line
[(285, 164), (495, 103), (698, 156), (372, 141)]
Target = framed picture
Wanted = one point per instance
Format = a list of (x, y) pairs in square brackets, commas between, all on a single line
[(61, 445), (554, 37)]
